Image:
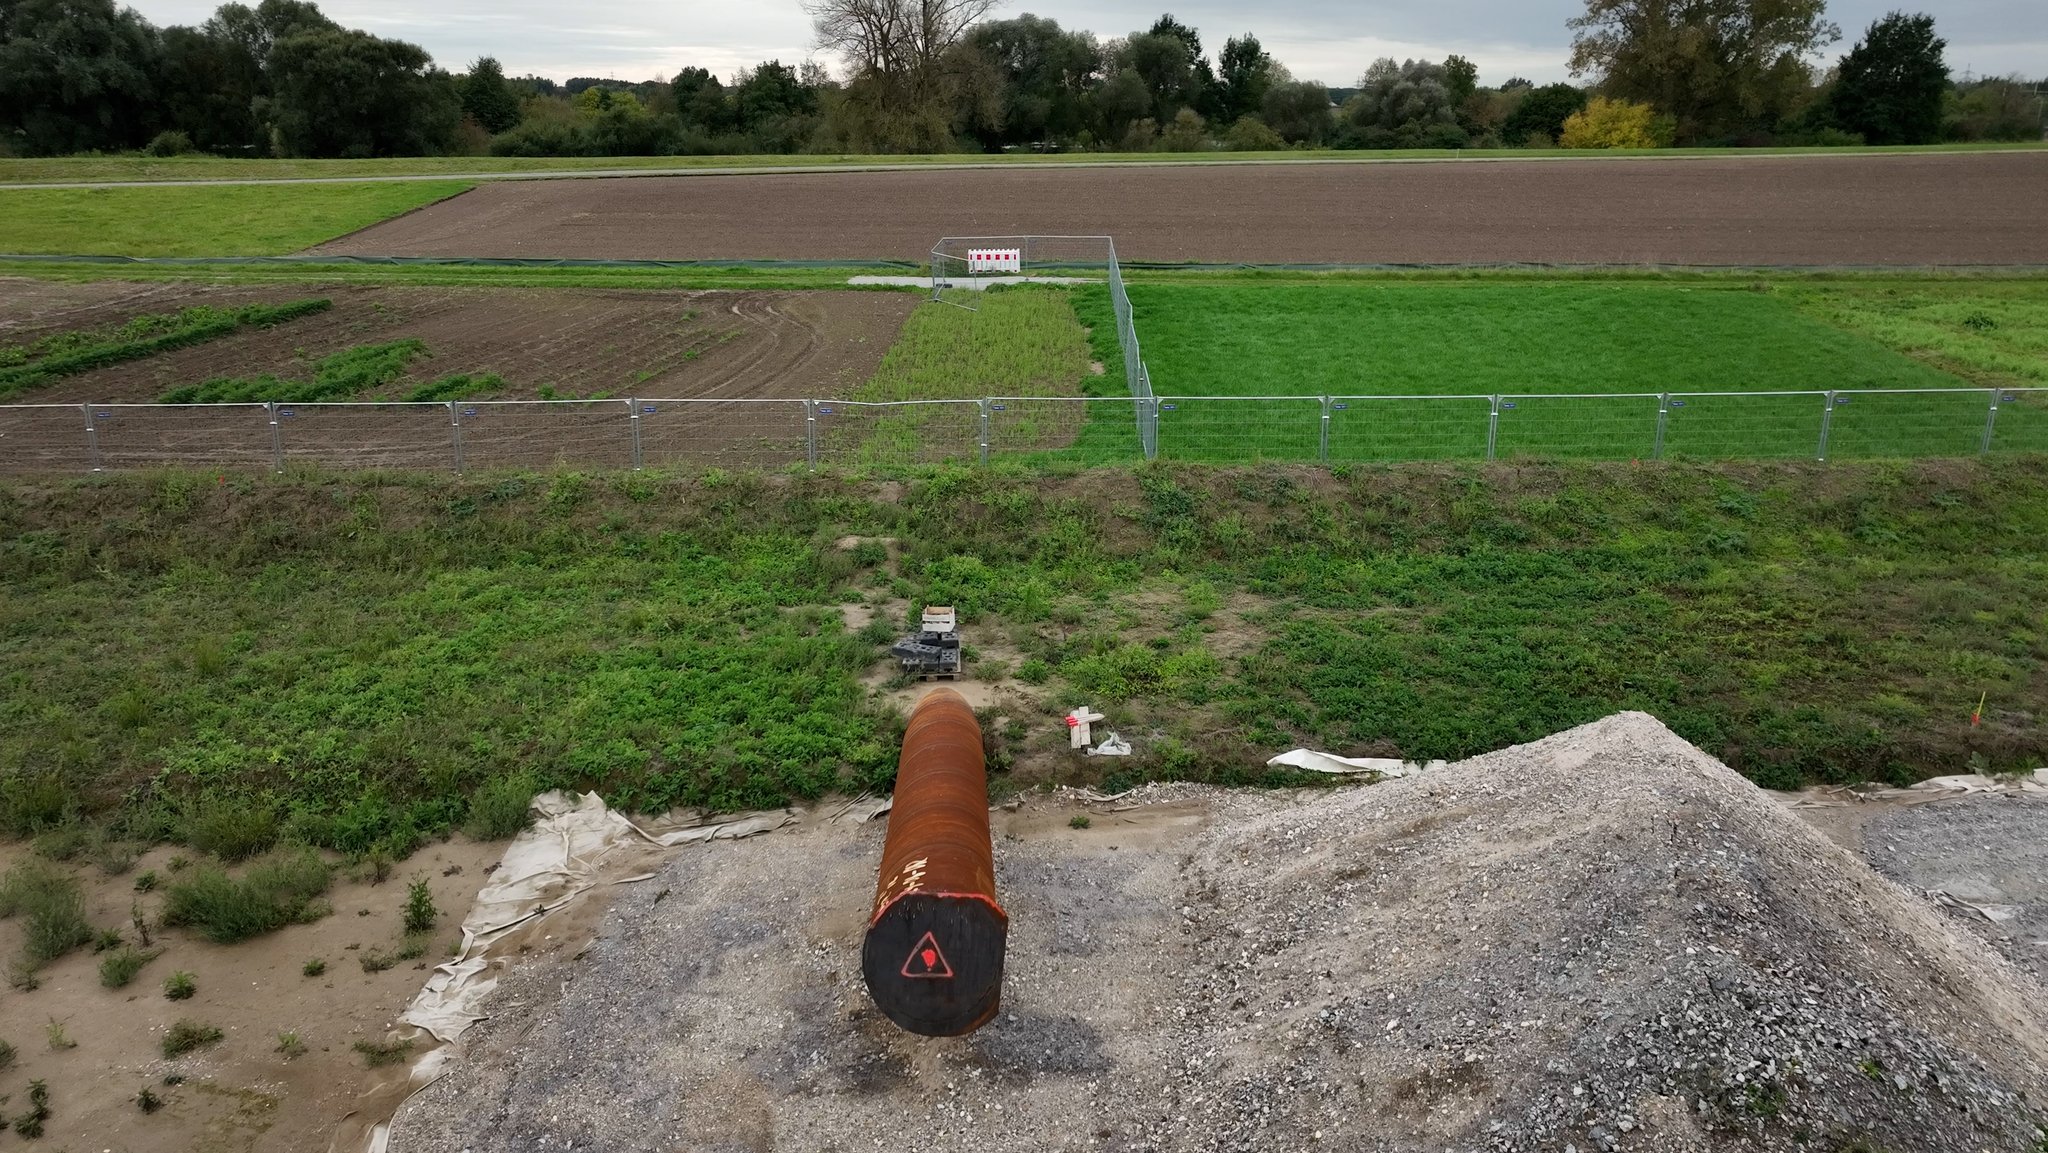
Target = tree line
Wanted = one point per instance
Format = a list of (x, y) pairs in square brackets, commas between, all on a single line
[(281, 79)]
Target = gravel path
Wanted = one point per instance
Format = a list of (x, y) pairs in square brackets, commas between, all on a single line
[(1798, 210), (1979, 851), (1602, 941)]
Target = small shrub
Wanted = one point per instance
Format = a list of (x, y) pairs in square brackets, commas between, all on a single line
[(148, 1102), (1250, 134), (377, 865), (276, 891), (380, 1053), (141, 923), (314, 967), (1034, 672), (63, 843), (179, 986), (501, 809), (376, 960), (230, 830), (54, 1033), (290, 1046), (30, 1124), (1079, 821), (6, 1055), (146, 882), (187, 1035), (52, 909), (120, 966), (171, 143), (420, 913), (1605, 123), (33, 804), (107, 939)]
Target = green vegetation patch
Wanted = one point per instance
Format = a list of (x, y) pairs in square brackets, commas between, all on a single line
[(1988, 332), (337, 377), (281, 889), (1595, 342), (375, 660), (27, 366), (214, 220)]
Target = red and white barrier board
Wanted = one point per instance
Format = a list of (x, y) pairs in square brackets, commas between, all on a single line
[(995, 260)]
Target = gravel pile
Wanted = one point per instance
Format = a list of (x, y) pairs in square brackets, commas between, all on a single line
[(1602, 941)]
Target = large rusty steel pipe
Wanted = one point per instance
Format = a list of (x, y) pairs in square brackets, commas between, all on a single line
[(933, 957)]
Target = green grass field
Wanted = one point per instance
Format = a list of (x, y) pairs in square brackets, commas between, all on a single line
[(100, 169), (246, 220), (355, 658), (1610, 346)]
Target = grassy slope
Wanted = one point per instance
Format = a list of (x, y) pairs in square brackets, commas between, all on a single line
[(363, 653), (120, 168), (237, 221), (1482, 337)]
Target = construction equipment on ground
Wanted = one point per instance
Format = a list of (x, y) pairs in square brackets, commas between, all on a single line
[(933, 957)]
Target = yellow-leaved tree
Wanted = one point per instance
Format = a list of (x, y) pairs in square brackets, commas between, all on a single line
[(1608, 123)]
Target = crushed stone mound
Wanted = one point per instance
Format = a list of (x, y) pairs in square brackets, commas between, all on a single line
[(1602, 941)]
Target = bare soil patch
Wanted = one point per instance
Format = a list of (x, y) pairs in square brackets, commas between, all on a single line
[(241, 1095), (1806, 210)]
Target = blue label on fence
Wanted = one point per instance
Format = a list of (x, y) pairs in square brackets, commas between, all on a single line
[(2011, 398), (469, 412), (1678, 404), (646, 408), (1169, 408), (824, 412), (1507, 405), (999, 408), (1840, 401), (286, 413), (1339, 407), (103, 416)]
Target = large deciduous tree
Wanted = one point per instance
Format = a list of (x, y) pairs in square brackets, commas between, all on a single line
[(1048, 75), (1542, 113), (1889, 88), (487, 99), (1244, 72), (342, 92), (76, 75), (1725, 69), (1299, 110)]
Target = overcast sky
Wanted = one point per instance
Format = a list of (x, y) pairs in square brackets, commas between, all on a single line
[(1327, 40)]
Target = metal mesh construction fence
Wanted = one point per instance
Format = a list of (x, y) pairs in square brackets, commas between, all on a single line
[(863, 436)]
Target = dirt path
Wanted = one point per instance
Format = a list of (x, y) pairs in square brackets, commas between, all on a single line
[(1605, 940), (1810, 210)]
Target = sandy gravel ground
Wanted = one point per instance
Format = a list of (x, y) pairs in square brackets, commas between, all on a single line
[(1602, 941), (1805, 210)]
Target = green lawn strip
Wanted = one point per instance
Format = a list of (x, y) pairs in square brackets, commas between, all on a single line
[(1024, 344), (131, 168), (70, 353), (759, 279), (1590, 340), (230, 220), (358, 655)]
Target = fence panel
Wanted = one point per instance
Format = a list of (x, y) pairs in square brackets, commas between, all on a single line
[(1235, 428), (1075, 429), (897, 434), (1900, 423), (547, 434), (1612, 427), (729, 434), (183, 436), (406, 436), (2022, 424), (44, 438), (1745, 425), (1392, 428)]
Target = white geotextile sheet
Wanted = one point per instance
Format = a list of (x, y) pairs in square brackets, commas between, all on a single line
[(1928, 791), (1380, 768)]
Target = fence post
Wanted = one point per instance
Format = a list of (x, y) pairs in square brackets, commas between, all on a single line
[(455, 433), (1990, 425), (276, 438), (1493, 428), (984, 429), (92, 437), (1663, 419), (633, 426), (811, 433), (1323, 441), (1827, 423)]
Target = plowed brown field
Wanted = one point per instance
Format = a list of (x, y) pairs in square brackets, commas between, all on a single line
[(579, 342), (1754, 211)]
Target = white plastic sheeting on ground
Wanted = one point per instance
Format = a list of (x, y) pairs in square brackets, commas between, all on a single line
[(1926, 792), (1379, 768)]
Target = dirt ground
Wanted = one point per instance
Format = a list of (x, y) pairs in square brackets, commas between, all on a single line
[(242, 1095), (1756, 210), (579, 342), (1602, 941)]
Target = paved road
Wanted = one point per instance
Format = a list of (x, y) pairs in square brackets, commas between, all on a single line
[(1889, 210)]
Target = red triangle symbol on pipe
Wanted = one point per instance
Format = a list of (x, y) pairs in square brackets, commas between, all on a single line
[(926, 960)]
